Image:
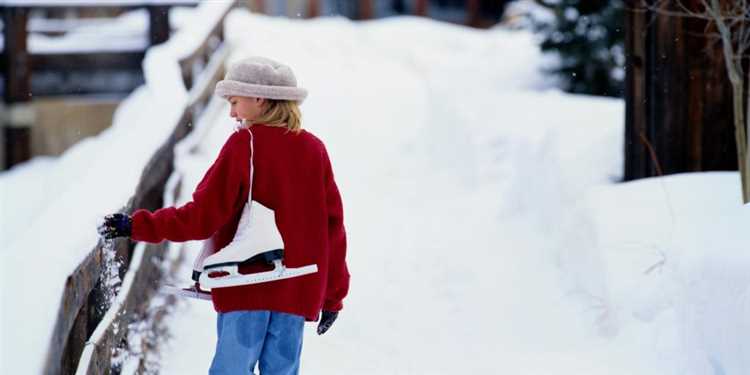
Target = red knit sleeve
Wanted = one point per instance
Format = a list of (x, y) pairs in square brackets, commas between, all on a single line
[(338, 273), (213, 201)]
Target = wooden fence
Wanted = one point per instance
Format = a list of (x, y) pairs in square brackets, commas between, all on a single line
[(84, 337), (18, 64)]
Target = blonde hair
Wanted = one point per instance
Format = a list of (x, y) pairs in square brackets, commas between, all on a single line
[(281, 113)]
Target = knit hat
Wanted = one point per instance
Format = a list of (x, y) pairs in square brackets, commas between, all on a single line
[(260, 77)]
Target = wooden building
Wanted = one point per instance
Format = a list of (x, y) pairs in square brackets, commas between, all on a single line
[(78, 85), (679, 115)]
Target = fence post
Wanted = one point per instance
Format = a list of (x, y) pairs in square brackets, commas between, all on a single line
[(18, 116), (420, 8), (158, 26), (472, 13), (365, 10), (313, 8)]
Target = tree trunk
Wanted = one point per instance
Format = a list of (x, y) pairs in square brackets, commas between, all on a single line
[(734, 67), (741, 139), (746, 185), (679, 112)]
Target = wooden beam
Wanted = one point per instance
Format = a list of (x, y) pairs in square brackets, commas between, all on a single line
[(77, 288), (258, 6), (365, 10), (88, 61), (472, 13), (158, 29), (17, 145), (420, 8), (17, 73), (16, 66), (313, 8), (636, 153)]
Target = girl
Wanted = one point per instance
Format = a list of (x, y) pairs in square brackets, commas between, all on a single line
[(262, 323)]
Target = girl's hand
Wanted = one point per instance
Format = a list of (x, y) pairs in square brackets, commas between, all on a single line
[(116, 225), (326, 320)]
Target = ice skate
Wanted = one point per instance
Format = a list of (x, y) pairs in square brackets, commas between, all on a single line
[(193, 291), (257, 240)]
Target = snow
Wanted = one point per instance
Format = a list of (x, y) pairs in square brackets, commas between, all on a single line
[(487, 229), (675, 246), (461, 197), (127, 32), (525, 13)]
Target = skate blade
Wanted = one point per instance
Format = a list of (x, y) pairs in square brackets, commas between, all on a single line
[(255, 278), (185, 292)]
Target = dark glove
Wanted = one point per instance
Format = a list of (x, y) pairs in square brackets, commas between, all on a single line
[(326, 321), (116, 225)]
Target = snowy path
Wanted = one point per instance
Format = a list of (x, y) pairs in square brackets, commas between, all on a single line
[(486, 234), (446, 168)]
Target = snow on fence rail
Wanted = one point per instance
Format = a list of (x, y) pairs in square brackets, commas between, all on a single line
[(84, 337)]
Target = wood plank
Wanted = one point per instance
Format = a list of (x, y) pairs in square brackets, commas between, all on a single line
[(365, 10), (472, 13), (421, 8), (17, 71), (313, 8), (635, 94), (131, 60), (76, 292), (17, 144), (158, 29), (669, 128), (138, 288), (681, 98)]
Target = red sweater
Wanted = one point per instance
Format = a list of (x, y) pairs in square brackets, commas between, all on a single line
[(293, 176)]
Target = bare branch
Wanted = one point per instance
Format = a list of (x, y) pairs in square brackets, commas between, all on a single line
[(662, 7)]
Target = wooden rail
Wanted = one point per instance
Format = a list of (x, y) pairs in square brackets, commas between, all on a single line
[(84, 337)]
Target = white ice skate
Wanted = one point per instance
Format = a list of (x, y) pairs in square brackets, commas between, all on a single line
[(257, 239), (194, 291)]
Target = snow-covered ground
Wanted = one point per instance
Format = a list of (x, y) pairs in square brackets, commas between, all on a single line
[(487, 231)]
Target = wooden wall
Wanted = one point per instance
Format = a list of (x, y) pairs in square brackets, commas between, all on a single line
[(678, 96)]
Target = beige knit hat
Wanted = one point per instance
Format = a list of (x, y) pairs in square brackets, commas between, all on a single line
[(260, 77)]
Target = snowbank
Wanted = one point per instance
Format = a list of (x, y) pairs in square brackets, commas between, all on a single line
[(670, 254)]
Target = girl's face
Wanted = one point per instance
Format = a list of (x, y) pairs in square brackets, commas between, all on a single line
[(246, 108)]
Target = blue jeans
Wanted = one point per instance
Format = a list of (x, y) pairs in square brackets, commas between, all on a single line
[(271, 339)]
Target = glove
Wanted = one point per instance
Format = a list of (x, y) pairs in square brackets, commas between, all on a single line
[(326, 320), (116, 225)]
